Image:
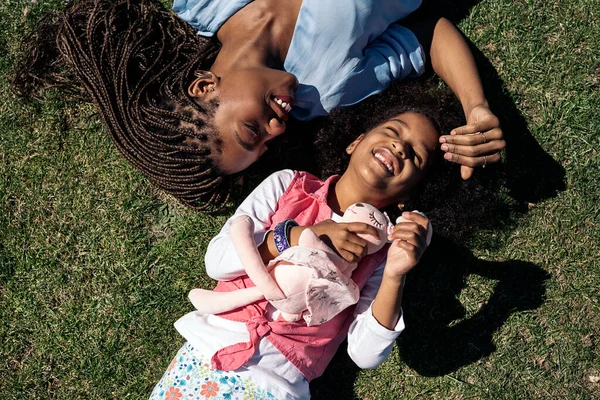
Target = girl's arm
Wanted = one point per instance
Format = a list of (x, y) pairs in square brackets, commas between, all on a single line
[(371, 335), (369, 342), (221, 260)]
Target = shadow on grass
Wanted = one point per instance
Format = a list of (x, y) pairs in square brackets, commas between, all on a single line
[(439, 339)]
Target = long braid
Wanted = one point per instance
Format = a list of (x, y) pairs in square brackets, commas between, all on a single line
[(135, 60)]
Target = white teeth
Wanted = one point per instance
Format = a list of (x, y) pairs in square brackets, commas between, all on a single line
[(389, 167), (285, 106)]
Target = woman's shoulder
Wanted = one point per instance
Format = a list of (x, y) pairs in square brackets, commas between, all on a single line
[(207, 16)]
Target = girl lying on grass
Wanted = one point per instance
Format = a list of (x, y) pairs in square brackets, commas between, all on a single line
[(253, 353), (189, 111)]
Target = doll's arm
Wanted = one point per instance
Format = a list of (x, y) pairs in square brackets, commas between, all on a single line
[(221, 260), (242, 230)]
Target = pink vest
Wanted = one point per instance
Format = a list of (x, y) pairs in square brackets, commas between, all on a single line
[(309, 349)]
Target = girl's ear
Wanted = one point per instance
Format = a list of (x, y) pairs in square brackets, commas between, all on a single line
[(352, 146), (204, 86)]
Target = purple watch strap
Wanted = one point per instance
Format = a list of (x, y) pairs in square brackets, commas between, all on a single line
[(281, 234)]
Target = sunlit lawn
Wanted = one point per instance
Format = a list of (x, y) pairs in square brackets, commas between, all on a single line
[(95, 265)]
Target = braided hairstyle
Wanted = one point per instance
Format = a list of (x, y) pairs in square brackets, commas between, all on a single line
[(134, 60)]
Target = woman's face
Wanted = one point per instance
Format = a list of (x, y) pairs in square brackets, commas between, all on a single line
[(393, 158), (254, 104)]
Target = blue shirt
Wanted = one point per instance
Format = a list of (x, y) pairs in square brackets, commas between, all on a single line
[(342, 51)]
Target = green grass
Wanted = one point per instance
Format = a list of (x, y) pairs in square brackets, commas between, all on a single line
[(95, 265)]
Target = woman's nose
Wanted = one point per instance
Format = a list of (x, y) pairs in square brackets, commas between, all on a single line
[(276, 127)]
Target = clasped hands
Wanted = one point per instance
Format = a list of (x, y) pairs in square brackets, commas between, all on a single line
[(476, 144)]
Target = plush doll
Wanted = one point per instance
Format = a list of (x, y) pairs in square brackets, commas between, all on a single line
[(307, 281)]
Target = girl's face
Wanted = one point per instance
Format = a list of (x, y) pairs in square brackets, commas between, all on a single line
[(390, 160), (251, 111)]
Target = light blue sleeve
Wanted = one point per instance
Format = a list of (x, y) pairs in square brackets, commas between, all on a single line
[(207, 16), (395, 54)]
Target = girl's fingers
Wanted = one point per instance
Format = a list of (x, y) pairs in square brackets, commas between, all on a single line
[(414, 238), (472, 161), (361, 227), (355, 240), (356, 249), (408, 247), (473, 138), (415, 217), (475, 150), (348, 256)]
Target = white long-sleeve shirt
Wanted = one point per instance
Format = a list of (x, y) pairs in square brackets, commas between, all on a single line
[(369, 343)]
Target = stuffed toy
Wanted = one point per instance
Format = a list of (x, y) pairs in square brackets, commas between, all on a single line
[(308, 281)]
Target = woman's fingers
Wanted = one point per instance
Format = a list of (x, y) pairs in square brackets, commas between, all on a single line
[(472, 161), (474, 138), (492, 147)]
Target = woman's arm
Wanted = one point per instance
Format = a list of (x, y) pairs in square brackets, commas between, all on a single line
[(221, 260), (481, 140)]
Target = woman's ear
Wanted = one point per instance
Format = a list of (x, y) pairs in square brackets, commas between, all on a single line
[(204, 86), (352, 146)]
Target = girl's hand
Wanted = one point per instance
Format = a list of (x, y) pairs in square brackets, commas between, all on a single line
[(409, 243), (476, 144), (343, 237)]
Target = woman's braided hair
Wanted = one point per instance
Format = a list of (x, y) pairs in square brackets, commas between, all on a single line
[(135, 60)]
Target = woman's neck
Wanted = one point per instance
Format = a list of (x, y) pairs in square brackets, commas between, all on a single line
[(258, 35)]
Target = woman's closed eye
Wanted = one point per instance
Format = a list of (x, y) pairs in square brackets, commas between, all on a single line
[(252, 128)]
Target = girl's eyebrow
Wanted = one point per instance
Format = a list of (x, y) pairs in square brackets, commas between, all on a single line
[(404, 124)]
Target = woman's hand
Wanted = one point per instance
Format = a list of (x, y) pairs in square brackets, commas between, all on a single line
[(409, 243), (343, 237), (476, 144)]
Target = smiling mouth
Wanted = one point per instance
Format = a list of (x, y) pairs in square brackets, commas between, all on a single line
[(387, 161), (285, 103)]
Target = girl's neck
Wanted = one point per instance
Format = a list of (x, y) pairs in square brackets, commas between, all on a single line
[(346, 192), (258, 35)]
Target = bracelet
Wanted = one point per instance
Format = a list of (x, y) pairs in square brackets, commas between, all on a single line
[(281, 234)]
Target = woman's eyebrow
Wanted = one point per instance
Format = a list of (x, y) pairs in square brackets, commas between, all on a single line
[(241, 142)]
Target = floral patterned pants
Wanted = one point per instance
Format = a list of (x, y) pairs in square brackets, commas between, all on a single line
[(190, 377)]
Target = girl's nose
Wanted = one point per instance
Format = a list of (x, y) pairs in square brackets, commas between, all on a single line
[(399, 148), (276, 127)]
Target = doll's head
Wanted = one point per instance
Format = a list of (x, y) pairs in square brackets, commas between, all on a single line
[(364, 212)]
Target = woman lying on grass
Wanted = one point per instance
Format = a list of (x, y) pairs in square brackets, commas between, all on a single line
[(189, 111), (265, 356)]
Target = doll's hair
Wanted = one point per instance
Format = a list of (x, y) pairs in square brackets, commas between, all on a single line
[(134, 60), (455, 207)]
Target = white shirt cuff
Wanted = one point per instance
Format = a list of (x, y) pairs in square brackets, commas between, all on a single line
[(382, 331)]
